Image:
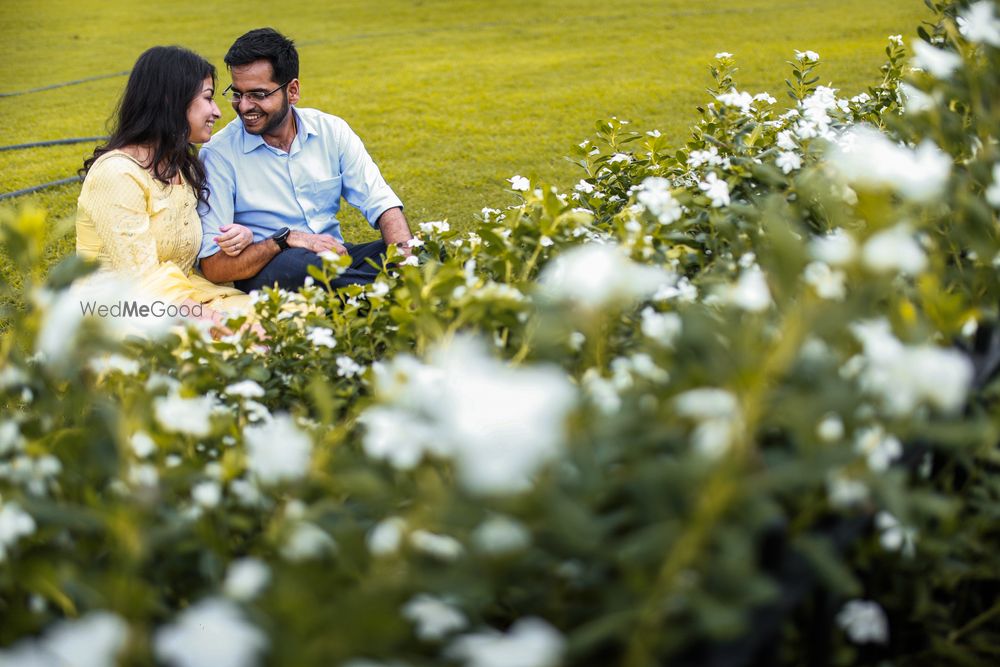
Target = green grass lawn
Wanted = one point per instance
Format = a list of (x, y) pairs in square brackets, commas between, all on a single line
[(450, 96)]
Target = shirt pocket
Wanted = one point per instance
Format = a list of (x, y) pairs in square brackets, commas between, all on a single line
[(324, 195)]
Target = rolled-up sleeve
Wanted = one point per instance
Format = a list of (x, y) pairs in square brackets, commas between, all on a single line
[(363, 186), (221, 200)]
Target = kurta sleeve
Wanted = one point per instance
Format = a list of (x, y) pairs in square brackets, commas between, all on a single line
[(118, 200)]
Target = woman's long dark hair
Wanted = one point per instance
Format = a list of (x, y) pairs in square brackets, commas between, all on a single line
[(153, 112)]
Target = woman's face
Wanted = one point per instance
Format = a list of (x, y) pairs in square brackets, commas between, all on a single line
[(202, 113)]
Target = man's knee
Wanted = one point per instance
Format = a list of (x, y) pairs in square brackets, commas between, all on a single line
[(288, 269)]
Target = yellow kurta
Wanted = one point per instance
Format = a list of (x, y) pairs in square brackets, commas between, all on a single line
[(147, 232)]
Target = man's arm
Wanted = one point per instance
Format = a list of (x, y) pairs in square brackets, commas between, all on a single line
[(223, 268), (392, 224)]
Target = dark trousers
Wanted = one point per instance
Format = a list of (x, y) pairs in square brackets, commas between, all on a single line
[(289, 268)]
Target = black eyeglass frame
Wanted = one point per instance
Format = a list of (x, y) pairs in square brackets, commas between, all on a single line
[(255, 95)]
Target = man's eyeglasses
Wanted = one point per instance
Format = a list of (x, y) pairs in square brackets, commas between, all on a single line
[(254, 95)]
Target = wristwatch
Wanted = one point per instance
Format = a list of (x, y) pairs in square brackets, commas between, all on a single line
[(281, 238)]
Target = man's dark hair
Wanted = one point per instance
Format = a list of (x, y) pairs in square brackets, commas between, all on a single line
[(266, 44)]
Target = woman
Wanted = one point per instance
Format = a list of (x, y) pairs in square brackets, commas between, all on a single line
[(137, 212)]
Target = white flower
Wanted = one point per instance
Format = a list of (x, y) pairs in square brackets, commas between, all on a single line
[(207, 494), (307, 541), (993, 191), (620, 157), (708, 156), (114, 362), (321, 337), (348, 368), (828, 283), (593, 276), (392, 435), (660, 327), (706, 403), (836, 248), (865, 622), (384, 539), (584, 187), (500, 425), (256, 412), (879, 448), (519, 183), (546, 242), (246, 578), (979, 25), (679, 288), (713, 437), (412, 260), (830, 428), (806, 130), (433, 617), (806, 56), (716, 189), (788, 162), (718, 414), (654, 194), (65, 310), (895, 536), (212, 633), (11, 439), (378, 289), (844, 492), (245, 389), (915, 100), (750, 292), (896, 39), (601, 392), (785, 141), (442, 547), (531, 642), (734, 98), (142, 444), (94, 640), (190, 416), (940, 63), (865, 157), (277, 450), (905, 376), (764, 97), (436, 226), (500, 535), (722, 55)]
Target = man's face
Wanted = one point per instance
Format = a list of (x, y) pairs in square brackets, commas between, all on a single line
[(264, 116)]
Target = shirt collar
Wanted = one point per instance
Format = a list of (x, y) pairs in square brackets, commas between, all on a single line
[(306, 128)]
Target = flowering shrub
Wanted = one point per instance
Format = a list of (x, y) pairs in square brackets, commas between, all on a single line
[(730, 403)]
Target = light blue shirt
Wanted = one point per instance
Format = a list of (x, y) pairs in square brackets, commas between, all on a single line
[(265, 189)]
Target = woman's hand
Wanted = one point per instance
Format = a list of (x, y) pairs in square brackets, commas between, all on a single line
[(215, 321), (234, 239)]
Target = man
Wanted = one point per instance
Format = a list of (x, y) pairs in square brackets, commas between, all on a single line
[(281, 171)]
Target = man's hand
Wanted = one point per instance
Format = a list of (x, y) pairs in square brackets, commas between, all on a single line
[(317, 243), (234, 239)]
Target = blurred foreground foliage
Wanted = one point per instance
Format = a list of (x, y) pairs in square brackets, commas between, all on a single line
[(728, 403)]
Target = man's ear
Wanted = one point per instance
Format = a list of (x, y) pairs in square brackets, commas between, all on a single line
[(293, 91)]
